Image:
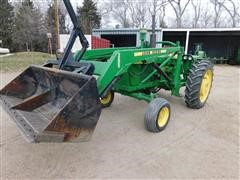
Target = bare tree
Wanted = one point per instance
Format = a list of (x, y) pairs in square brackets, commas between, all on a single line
[(217, 12), (153, 10), (207, 13), (105, 7), (154, 7), (206, 17), (232, 10), (138, 13), (179, 10), (162, 15), (120, 12), (158, 8), (196, 4)]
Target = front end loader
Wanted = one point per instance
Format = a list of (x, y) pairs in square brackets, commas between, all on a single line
[(61, 101)]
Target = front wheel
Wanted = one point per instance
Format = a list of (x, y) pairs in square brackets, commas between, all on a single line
[(157, 115), (107, 100), (199, 84)]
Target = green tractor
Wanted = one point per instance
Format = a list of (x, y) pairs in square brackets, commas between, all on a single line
[(62, 100)]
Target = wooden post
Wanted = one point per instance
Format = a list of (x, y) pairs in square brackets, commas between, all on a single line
[(49, 36)]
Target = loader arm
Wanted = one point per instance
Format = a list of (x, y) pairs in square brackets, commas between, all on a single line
[(77, 32)]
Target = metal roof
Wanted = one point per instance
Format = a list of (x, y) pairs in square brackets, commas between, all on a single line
[(125, 30), (201, 29), (120, 30)]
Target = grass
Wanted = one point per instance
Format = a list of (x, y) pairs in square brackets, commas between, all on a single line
[(19, 61)]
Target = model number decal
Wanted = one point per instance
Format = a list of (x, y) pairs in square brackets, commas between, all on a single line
[(145, 53)]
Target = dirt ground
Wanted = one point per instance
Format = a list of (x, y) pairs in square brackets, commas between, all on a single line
[(196, 144)]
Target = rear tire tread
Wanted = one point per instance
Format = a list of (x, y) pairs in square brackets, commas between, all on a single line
[(193, 83)]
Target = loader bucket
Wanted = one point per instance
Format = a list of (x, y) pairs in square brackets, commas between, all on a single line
[(52, 105)]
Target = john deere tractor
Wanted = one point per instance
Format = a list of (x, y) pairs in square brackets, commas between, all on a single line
[(62, 100)]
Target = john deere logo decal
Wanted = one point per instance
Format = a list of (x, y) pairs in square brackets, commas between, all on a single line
[(145, 53)]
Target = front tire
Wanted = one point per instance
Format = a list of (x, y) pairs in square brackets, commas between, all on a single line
[(199, 84), (107, 100), (157, 115)]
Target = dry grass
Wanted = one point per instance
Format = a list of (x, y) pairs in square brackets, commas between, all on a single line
[(19, 61)]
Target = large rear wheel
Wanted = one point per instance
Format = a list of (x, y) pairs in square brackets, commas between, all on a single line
[(199, 84)]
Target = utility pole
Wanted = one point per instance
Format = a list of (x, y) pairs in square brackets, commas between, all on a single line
[(56, 24)]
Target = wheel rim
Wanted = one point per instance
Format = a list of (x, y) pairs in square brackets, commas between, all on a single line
[(106, 99), (163, 117), (205, 85)]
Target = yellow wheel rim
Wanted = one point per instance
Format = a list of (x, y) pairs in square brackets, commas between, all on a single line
[(205, 85), (106, 99), (163, 116)]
